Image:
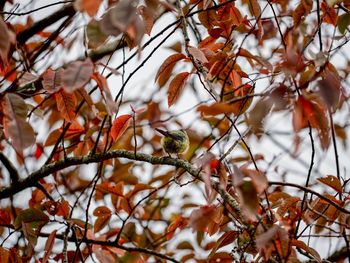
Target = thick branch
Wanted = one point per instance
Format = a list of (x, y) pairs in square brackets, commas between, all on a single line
[(67, 10), (48, 169), (10, 168)]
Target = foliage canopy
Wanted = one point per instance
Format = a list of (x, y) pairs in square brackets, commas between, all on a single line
[(261, 87)]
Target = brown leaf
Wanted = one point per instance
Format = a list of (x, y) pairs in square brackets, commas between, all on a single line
[(66, 104), (198, 54), (306, 248), (302, 10), (49, 245), (176, 86), (16, 127), (148, 16), (119, 126), (166, 68), (52, 80), (77, 74), (4, 255), (255, 9), (200, 219), (106, 93), (102, 211), (207, 18), (118, 18), (31, 216), (95, 37), (226, 239), (101, 222), (4, 41), (332, 181), (330, 86)]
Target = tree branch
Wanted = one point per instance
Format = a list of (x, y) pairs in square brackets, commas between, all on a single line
[(10, 168), (67, 10), (48, 169), (306, 189)]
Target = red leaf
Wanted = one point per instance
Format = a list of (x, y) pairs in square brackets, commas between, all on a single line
[(312, 110), (38, 151), (14, 120), (5, 218), (166, 68), (66, 104), (176, 86), (119, 126), (77, 74)]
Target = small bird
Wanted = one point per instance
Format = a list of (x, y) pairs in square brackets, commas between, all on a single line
[(174, 141)]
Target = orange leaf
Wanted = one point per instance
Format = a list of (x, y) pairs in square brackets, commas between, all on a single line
[(119, 126), (180, 222), (66, 103), (89, 6), (4, 255), (329, 14), (166, 68), (176, 86), (218, 108), (74, 129), (332, 181)]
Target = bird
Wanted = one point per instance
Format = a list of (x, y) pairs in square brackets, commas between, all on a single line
[(175, 141)]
